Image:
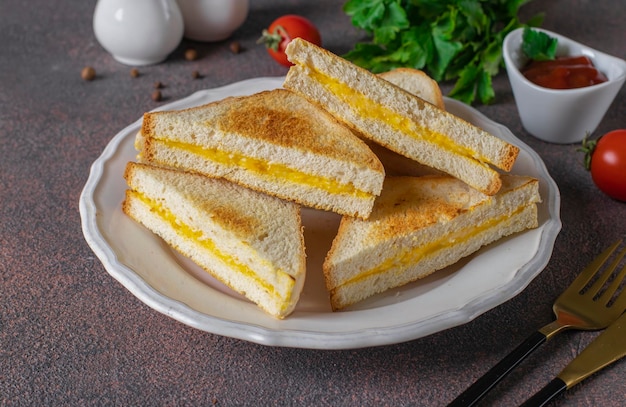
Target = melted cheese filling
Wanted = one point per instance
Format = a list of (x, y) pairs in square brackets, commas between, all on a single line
[(266, 168), (412, 256), (366, 107), (188, 233)]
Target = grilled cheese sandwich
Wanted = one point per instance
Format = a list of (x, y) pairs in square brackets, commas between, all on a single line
[(249, 241), (400, 121), (275, 142), (420, 225)]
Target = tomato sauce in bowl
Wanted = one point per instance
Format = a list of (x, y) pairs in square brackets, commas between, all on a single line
[(562, 116), (564, 73)]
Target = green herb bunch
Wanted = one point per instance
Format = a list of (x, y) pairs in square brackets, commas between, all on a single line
[(457, 40)]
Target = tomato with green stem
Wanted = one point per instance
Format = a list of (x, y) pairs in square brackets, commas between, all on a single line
[(606, 160), (283, 30)]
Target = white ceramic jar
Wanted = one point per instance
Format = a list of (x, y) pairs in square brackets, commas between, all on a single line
[(212, 20), (138, 32)]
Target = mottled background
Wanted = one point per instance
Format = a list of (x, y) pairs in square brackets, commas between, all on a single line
[(72, 335)]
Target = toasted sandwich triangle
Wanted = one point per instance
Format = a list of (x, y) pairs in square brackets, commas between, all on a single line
[(275, 142), (397, 119), (249, 241), (420, 225)]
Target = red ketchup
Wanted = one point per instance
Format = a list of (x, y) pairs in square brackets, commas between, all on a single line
[(564, 73)]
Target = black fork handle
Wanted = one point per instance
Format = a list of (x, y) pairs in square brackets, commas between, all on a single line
[(482, 386), (547, 394)]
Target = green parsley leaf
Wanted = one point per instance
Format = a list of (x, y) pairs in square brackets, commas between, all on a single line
[(465, 87), (393, 21), (484, 88), (366, 14), (538, 45), (445, 51)]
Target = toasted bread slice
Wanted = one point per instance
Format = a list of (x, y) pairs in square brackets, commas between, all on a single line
[(397, 119), (420, 84), (416, 82), (251, 242), (420, 225), (274, 142)]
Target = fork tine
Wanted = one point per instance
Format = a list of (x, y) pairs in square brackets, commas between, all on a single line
[(620, 300), (597, 286), (592, 268)]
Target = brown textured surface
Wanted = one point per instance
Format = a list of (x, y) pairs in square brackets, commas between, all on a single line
[(71, 335)]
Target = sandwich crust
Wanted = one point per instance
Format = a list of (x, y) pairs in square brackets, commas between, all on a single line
[(416, 82)]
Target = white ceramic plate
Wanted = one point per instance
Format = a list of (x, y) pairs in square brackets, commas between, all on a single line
[(173, 285)]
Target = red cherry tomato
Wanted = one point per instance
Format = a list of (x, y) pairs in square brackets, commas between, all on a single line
[(283, 30), (608, 163)]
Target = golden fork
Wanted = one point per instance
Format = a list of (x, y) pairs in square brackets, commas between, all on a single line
[(584, 305)]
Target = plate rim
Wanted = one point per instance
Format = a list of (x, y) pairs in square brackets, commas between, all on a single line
[(297, 338)]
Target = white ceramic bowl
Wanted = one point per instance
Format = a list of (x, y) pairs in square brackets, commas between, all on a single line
[(212, 20), (555, 115)]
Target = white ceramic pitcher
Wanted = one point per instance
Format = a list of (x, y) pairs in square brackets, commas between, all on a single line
[(138, 32)]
